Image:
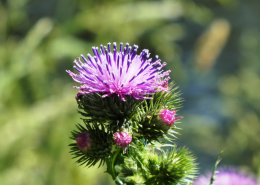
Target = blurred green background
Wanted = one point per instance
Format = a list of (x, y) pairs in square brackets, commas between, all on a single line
[(211, 46)]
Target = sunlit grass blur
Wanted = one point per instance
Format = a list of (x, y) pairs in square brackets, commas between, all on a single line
[(212, 49)]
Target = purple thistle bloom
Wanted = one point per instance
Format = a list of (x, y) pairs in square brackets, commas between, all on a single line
[(83, 141), (122, 73), (227, 177), (168, 117)]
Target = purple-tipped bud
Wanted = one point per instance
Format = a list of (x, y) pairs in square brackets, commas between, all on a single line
[(122, 138), (83, 141), (168, 117)]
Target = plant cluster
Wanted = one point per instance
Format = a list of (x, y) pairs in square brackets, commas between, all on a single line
[(129, 114)]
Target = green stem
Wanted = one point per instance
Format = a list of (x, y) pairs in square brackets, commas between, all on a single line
[(215, 167), (111, 165)]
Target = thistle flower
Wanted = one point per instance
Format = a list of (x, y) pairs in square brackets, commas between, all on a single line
[(227, 177), (121, 73), (168, 117)]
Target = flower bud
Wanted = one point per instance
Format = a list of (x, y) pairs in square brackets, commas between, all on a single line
[(157, 125), (168, 117), (91, 144), (122, 139), (83, 141)]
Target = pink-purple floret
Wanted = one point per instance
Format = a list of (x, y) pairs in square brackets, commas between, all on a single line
[(122, 138), (168, 117), (120, 72), (227, 177), (83, 141)]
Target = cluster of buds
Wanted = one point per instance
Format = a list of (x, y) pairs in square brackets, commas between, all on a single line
[(125, 101)]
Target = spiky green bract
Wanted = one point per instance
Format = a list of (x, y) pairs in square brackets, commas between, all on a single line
[(129, 173), (117, 167), (149, 126), (131, 169), (175, 166), (109, 109), (100, 144), (144, 166)]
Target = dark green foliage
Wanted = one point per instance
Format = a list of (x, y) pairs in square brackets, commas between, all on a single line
[(100, 145), (109, 109), (149, 125)]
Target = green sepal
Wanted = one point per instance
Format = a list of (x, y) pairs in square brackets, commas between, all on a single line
[(107, 110)]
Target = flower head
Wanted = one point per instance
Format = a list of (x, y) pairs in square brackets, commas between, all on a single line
[(122, 138), (83, 141), (227, 177), (168, 116), (120, 72)]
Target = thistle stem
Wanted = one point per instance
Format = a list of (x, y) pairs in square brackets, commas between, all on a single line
[(215, 167), (111, 165)]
